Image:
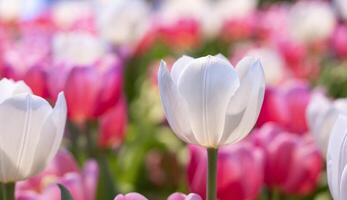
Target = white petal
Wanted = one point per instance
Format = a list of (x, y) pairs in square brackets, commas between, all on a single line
[(244, 106), (337, 153), (50, 136), (174, 106), (207, 85), (319, 104), (22, 118), (179, 66), (9, 88), (343, 184)]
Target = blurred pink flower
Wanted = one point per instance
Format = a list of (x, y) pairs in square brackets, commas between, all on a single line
[(181, 196), (63, 169), (239, 176), (292, 163), (339, 41), (286, 105), (113, 125), (130, 196), (90, 90)]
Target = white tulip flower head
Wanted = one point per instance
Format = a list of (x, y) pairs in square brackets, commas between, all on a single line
[(209, 102)]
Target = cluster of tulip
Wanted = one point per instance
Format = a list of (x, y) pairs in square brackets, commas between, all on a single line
[(274, 126)]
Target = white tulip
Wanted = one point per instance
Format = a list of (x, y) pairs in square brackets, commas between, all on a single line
[(337, 159), (311, 20), (208, 102), (321, 115), (67, 47), (30, 131), (123, 21), (341, 6)]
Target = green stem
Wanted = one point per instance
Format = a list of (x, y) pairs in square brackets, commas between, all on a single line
[(7, 190), (212, 155)]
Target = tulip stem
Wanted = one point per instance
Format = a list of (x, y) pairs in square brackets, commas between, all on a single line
[(212, 155), (7, 191)]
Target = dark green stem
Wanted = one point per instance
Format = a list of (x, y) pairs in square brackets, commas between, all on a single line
[(212, 155), (7, 191)]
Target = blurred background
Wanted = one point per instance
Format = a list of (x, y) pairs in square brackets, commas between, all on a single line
[(104, 55)]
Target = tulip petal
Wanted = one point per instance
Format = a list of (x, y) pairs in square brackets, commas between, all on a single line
[(9, 88), (51, 135), (174, 106), (207, 84), (337, 154), (244, 106), (343, 184), (179, 66), (318, 104), (22, 118)]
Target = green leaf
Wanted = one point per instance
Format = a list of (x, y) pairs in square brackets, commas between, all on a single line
[(65, 194)]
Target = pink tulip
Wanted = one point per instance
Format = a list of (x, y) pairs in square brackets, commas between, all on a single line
[(339, 41), (239, 176), (113, 125), (130, 196), (292, 163), (286, 105), (63, 169), (181, 196), (90, 90)]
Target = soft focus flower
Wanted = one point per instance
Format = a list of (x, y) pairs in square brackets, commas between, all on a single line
[(336, 159), (292, 163), (123, 22), (130, 196), (208, 102), (282, 105), (113, 125), (311, 20), (63, 169), (341, 6), (234, 164), (181, 196), (339, 40), (29, 124), (67, 48), (90, 89), (321, 115)]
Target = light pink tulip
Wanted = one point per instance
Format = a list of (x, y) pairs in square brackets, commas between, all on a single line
[(90, 90), (63, 169), (181, 196), (339, 41), (292, 162), (239, 176), (130, 196)]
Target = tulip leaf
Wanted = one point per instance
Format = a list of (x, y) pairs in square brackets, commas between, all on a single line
[(65, 193)]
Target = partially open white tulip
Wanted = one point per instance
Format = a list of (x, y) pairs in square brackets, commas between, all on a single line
[(337, 159), (321, 115), (30, 132), (210, 103)]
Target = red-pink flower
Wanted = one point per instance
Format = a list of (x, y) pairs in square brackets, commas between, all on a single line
[(90, 90), (286, 105), (113, 125), (239, 176), (63, 169), (292, 162)]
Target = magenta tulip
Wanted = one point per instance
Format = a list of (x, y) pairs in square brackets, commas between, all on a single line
[(292, 163)]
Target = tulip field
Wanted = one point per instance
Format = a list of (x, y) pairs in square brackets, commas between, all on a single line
[(173, 100)]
